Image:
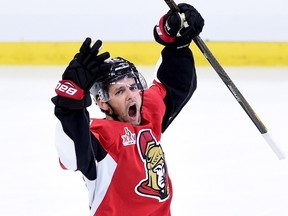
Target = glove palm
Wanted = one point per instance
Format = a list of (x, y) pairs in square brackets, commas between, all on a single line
[(84, 68), (77, 79)]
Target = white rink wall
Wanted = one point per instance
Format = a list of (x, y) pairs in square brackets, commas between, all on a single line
[(73, 20)]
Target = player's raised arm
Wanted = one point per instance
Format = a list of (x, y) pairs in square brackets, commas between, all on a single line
[(175, 31), (75, 145)]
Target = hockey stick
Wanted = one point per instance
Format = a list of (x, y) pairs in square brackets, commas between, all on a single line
[(233, 89)]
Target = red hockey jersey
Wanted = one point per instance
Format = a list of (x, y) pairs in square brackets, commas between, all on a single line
[(139, 183)]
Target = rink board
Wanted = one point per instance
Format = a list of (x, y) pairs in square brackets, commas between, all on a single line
[(145, 53)]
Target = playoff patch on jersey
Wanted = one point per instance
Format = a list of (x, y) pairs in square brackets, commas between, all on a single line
[(156, 184), (128, 138)]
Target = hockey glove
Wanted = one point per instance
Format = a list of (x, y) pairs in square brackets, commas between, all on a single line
[(177, 29), (73, 90)]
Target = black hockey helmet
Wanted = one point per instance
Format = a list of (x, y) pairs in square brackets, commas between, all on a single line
[(113, 70)]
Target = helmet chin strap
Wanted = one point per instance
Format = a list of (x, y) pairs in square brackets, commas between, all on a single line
[(113, 115)]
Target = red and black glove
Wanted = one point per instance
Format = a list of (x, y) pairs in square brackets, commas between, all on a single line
[(177, 29), (73, 90)]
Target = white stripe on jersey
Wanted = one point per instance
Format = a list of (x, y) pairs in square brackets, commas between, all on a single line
[(65, 148), (98, 188)]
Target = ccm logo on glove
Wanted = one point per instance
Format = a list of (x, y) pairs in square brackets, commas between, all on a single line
[(68, 89)]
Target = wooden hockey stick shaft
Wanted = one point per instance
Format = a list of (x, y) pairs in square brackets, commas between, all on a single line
[(232, 87)]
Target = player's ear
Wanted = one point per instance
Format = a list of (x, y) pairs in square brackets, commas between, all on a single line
[(103, 105)]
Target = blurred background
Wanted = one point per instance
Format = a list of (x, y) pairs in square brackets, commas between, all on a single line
[(127, 20), (218, 161)]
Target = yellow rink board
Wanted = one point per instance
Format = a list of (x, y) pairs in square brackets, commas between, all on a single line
[(145, 53)]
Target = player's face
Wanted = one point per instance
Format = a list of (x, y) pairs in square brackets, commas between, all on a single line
[(126, 100)]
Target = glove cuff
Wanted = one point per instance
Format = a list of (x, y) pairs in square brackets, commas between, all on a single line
[(68, 89), (162, 37), (161, 32)]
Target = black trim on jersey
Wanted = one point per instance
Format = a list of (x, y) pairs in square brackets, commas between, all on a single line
[(76, 125)]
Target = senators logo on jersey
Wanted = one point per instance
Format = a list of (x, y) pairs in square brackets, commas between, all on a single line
[(155, 185)]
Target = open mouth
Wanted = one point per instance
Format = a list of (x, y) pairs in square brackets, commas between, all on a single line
[(132, 110)]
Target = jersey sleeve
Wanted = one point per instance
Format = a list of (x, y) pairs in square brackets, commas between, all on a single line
[(77, 148), (177, 73)]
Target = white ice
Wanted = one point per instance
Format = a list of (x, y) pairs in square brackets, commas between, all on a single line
[(219, 163)]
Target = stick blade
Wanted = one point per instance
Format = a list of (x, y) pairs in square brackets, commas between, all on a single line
[(279, 153)]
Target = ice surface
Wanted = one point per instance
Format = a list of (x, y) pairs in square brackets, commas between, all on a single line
[(219, 163)]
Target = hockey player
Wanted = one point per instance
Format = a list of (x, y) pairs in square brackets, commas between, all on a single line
[(120, 156)]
